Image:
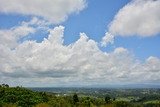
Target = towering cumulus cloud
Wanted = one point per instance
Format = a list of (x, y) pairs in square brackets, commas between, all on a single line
[(81, 62), (54, 10), (139, 17), (50, 62)]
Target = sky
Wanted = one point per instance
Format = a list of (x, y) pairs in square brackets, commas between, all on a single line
[(52, 43)]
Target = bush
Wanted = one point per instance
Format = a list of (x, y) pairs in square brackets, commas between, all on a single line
[(122, 104)]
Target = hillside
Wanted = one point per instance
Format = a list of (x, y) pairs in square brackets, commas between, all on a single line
[(23, 97)]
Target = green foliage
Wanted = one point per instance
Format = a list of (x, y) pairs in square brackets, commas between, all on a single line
[(10, 105), (21, 96), (4, 85), (155, 103), (60, 101), (75, 98), (107, 99), (42, 105), (122, 104)]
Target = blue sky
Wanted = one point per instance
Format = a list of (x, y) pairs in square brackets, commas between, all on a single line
[(92, 18), (94, 21)]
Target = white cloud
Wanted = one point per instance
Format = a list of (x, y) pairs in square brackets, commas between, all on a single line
[(58, 35), (80, 63), (120, 50), (139, 17), (10, 37), (108, 38), (55, 11)]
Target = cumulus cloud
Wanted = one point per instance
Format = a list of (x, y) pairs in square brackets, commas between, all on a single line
[(81, 62), (139, 17), (55, 11), (120, 50), (108, 38), (10, 37)]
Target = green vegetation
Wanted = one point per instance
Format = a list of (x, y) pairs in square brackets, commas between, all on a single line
[(20, 96), (23, 97)]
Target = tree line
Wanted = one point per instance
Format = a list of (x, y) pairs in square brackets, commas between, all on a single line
[(23, 97)]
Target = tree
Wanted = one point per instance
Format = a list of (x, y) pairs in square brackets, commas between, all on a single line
[(75, 98), (107, 99), (5, 85)]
